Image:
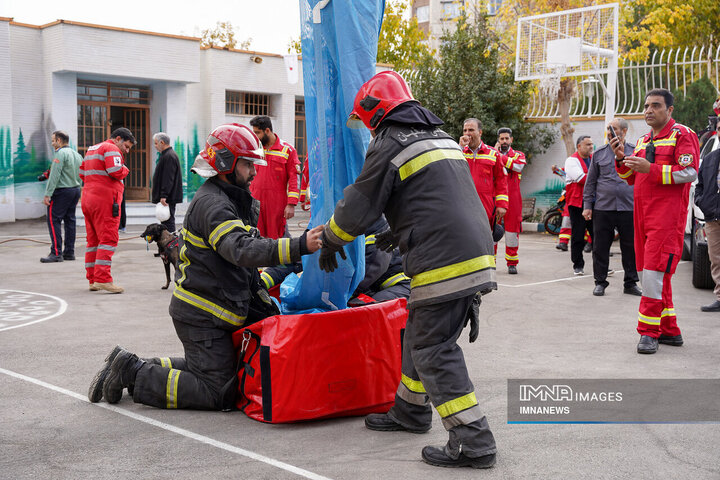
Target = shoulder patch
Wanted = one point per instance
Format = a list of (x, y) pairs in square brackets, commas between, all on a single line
[(685, 159)]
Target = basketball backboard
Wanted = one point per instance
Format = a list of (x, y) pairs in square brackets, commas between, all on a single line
[(580, 42)]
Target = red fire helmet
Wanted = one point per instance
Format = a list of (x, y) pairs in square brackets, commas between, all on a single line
[(378, 97), (224, 146)]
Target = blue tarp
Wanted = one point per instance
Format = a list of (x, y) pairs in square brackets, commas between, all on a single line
[(338, 55)]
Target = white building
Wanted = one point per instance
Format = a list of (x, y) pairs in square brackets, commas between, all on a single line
[(89, 79)]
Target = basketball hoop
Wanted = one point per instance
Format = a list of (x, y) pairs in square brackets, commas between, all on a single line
[(549, 83)]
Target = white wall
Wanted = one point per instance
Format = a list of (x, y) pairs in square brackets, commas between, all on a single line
[(7, 192)]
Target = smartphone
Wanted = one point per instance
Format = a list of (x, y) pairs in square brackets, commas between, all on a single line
[(612, 131)]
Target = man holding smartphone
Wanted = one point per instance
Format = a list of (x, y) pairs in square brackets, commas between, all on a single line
[(608, 202)]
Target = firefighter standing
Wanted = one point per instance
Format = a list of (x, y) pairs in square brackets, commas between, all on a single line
[(217, 285), (417, 175), (103, 171), (276, 185), (514, 164), (487, 169), (662, 168)]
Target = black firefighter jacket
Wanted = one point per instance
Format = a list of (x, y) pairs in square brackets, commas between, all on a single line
[(418, 176), (707, 190), (220, 251)]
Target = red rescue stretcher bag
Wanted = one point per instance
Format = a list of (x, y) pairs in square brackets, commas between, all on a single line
[(321, 365)]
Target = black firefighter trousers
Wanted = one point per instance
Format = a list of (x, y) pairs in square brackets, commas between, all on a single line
[(433, 366), (204, 380)]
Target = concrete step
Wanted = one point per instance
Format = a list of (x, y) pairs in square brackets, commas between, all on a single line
[(142, 213)]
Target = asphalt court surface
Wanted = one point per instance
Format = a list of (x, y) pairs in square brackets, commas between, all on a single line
[(542, 323)]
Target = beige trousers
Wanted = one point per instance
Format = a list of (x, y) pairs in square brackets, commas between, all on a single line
[(712, 229)]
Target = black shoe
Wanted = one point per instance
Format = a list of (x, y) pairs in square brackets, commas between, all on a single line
[(599, 291), (68, 257), (713, 307), (51, 259), (382, 423), (647, 344), (674, 340), (634, 290), (587, 248), (123, 370), (578, 271), (437, 456), (562, 246), (512, 269), (96, 386)]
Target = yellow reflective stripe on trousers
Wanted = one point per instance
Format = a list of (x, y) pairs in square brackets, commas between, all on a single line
[(414, 386), (225, 228), (457, 405), (668, 312), (267, 280), (394, 280), (193, 239), (452, 271), (649, 320), (208, 306), (172, 388), (421, 161), (339, 232), (165, 362), (284, 251)]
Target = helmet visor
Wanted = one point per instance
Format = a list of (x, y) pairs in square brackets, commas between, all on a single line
[(354, 122)]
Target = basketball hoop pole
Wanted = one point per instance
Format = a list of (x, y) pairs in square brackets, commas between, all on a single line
[(612, 75)]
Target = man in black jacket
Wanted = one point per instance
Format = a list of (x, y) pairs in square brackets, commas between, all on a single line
[(217, 285), (167, 179), (417, 176), (707, 197)]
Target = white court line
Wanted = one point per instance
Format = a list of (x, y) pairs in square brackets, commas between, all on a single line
[(172, 428), (63, 307)]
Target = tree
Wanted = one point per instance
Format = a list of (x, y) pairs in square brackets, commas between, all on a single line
[(693, 108), (469, 81), (402, 43), (223, 35)]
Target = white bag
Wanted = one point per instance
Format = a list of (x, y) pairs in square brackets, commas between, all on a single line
[(162, 212)]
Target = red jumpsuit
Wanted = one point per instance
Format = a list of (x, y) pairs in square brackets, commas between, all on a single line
[(660, 212), (488, 174), (513, 218), (276, 186), (102, 170)]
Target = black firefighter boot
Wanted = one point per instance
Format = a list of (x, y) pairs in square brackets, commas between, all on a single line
[(445, 457), (122, 374), (95, 392)]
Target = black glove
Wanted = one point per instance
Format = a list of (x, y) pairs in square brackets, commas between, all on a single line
[(473, 318), (385, 241), (327, 260)]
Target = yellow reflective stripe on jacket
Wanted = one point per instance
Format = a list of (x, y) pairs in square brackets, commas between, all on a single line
[(225, 228), (165, 362), (293, 194), (279, 153), (171, 389), (267, 280), (421, 161), (370, 240), (626, 174), (500, 198), (451, 271), (666, 174), (415, 386), (193, 239), (184, 263), (649, 320), (284, 251), (208, 306), (457, 405), (339, 232), (394, 280)]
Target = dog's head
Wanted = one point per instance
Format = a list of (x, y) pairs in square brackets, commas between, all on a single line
[(153, 232)]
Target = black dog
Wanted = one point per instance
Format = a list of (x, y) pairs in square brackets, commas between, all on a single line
[(167, 246)]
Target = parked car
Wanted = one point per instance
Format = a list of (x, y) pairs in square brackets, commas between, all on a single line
[(695, 246)]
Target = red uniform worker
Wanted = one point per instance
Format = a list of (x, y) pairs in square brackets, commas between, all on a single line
[(514, 164), (487, 169), (103, 170), (276, 185), (662, 168)]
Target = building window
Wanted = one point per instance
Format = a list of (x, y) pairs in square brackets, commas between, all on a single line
[(244, 103), (493, 6), (423, 14), (112, 92), (300, 134), (451, 8)]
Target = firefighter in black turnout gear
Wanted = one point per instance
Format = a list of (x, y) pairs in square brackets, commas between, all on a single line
[(417, 175), (217, 285)]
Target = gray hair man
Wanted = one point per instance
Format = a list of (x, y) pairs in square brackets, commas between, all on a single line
[(167, 179)]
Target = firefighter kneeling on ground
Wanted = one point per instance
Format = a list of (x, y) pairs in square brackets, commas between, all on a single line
[(218, 288)]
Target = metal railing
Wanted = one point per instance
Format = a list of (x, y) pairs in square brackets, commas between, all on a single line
[(674, 69)]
